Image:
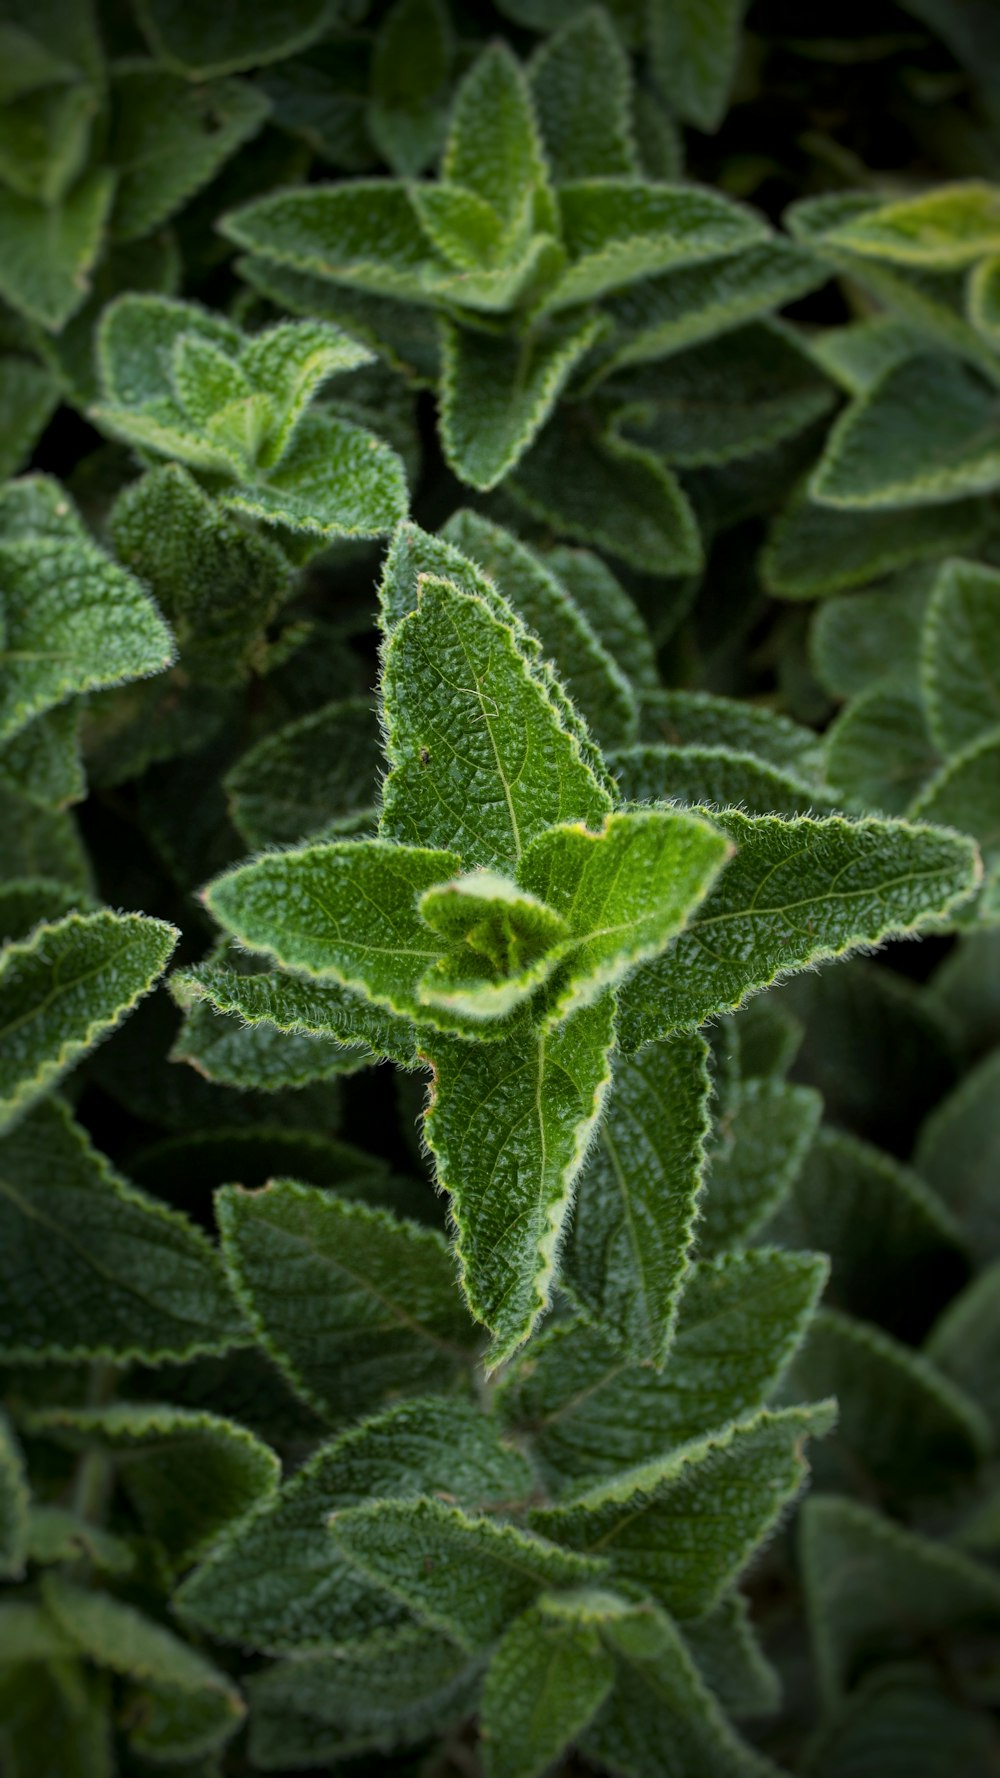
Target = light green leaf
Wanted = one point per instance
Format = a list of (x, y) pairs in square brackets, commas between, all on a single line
[(965, 1343), (858, 353), (318, 774), (581, 84), (593, 1412), (983, 300), (957, 1152), (797, 891), (596, 488), (548, 1676), (92, 1267), (504, 943), (28, 397), (65, 988), (354, 1306), (714, 776), (508, 1125), (814, 550), (186, 1473), (873, 1587), (50, 250), (14, 1505), (498, 390), (169, 137), (761, 1139), (200, 44), (684, 1526), (879, 753), (697, 719), (493, 146), (277, 1581), (627, 1253), (363, 232), (943, 229), (288, 364), (960, 664), (731, 1661), (297, 1004), (463, 1575), (479, 759), (694, 46)]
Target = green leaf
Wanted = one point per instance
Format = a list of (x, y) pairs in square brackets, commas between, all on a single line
[(857, 354), (873, 1587), (697, 719), (596, 488), (684, 1526), (277, 1581), (960, 665), (893, 1248), (364, 233), (582, 88), (508, 1125), (815, 550), (899, 1716), (14, 1505), (169, 137), (202, 44), (51, 249), (693, 47), (318, 774), (411, 62), (591, 1411), (611, 614), (93, 1267), (762, 1137), (64, 988), (56, 1718), (627, 1254), (288, 364), (258, 1058), (903, 1427), (74, 620), (479, 760), (797, 891), (568, 636), (965, 794), (714, 776), (731, 1661), (56, 1536), (28, 397), (493, 146), (861, 640), (618, 230), (879, 753), (965, 1342), (334, 480), (325, 1706), (466, 1576), (957, 1151), (926, 433), (296, 1004), (42, 761), (353, 1305), (503, 943), (548, 1676), (950, 227), (186, 1473), (498, 390), (184, 1705), (42, 843)]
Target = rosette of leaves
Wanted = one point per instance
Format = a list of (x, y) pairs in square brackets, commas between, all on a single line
[(551, 262)]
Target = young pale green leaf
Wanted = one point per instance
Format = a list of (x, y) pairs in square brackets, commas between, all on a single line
[(363, 232), (51, 248), (14, 1505), (661, 1720), (694, 46), (879, 752), (960, 664), (761, 1139), (713, 776), (344, 911), (731, 1662), (815, 550), (498, 390), (467, 1576), (503, 944), (74, 620), (318, 774), (944, 229), (327, 1706), (860, 640), (581, 84), (201, 44), (957, 1153), (508, 1125), (903, 1426), (627, 1252), (289, 363), (593, 1412), (493, 146), (354, 1306), (798, 891), (479, 760), (92, 1267), (28, 397), (873, 1587), (186, 1473), (549, 1675), (137, 341), (684, 1526), (169, 138), (276, 1580), (893, 1247), (66, 987), (928, 432), (335, 479), (533, 585), (597, 488)]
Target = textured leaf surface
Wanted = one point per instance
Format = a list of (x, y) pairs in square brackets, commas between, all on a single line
[(319, 773), (581, 85), (731, 1661), (169, 138), (879, 753), (93, 1268), (697, 719), (965, 793), (66, 987), (498, 390), (957, 1154), (694, 46), (947, 228), (815, 550), (961, 655), (762, 1136), (201, 44), (298, 1004), (965, 1343), (51, 249), (548, 1677)]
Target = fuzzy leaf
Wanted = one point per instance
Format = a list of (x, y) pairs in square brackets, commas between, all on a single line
[(593, 1412), (697, 719), (814, 550), (354, 1306), (50, 250), (581, 85), (28, 397), (493, 146), (363, 233), (201, 44), (965, 1342), (957, 1155), (258, 1058), (611, 613), (965, 794), (410, 66), (899, 1716), (731, 1661), (318, 774), (42, 761), (627, 1254), (948, 228), (762, 1137), (463, 1575), (93, 1268), (335, 480), (64, 988), (879, 754), (169, 138), (694, 46), (713, 776), (861, 640), (277, 1581), (685, 1525), (549, 1675), (290, 1003), (961, 655), (848, 885)]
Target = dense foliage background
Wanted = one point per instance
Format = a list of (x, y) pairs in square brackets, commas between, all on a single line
[(430, 431)]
